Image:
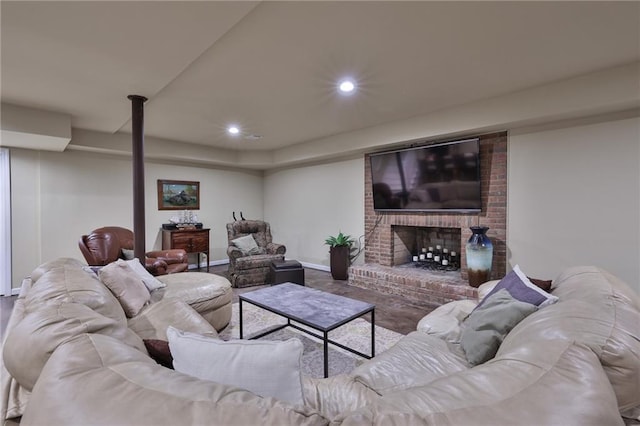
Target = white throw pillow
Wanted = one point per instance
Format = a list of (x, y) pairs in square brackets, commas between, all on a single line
[(151, 282), (266, 368)]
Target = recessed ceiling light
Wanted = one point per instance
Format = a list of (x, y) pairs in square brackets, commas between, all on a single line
[(234, 130), (347, 86)]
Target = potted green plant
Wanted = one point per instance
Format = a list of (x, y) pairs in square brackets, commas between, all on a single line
[(340, 248)]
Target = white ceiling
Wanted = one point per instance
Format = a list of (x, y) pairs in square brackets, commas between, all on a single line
[(271, 67)]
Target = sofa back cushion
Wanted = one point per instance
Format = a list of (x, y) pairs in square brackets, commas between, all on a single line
[(54, 264), (32, 341), (126, 286), (66, 280), (153, 321), (598, 310)]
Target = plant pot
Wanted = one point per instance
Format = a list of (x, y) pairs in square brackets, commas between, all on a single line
[(339, 262)]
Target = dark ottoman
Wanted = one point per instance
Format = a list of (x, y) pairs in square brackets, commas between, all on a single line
[(283, 271)]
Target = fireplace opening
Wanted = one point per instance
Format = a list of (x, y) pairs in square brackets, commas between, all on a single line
[(432, 248)]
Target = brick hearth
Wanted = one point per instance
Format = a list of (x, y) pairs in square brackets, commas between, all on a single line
[(426, 287)]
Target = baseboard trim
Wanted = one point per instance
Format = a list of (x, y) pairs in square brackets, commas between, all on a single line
[(324, 268), (212, 263), (316, 266)]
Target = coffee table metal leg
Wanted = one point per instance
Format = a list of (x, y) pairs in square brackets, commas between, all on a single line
[(326, 354), (240, 314)]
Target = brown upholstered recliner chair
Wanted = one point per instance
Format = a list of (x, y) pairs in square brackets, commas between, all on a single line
[(248, 266), (110, 243)]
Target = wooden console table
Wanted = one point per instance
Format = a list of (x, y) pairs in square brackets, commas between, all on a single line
[(190, 240)]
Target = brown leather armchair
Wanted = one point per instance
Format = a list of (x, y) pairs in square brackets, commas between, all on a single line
[(108, 244)]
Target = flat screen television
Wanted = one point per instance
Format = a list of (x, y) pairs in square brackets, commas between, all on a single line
[(443, 177)]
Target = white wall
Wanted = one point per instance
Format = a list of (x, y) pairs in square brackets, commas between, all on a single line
[(26, 251), (221, 193), (57, 197), (305, 205), (574, 198)]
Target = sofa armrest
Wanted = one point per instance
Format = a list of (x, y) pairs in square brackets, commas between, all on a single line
[(170, 256), (273, 248), (336, 395), (444, 322), (534, 384), (234, 253), (155, 266), (13, 397)]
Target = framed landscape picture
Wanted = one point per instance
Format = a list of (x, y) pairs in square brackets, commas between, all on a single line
[(178, 195)]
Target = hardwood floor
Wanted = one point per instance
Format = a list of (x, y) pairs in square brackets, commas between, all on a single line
[(392, 312)]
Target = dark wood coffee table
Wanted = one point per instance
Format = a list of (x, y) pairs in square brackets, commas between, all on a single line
[(313, 308)]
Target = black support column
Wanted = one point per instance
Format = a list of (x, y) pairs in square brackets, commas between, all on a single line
[(137, 140)]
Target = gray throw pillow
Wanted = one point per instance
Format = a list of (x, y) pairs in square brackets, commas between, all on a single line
[(486, 327), (247, 245)]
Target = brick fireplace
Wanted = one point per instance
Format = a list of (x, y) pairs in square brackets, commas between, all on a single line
[(393, 237)]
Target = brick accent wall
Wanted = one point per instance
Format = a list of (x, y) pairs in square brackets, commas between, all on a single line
[(380, 239)]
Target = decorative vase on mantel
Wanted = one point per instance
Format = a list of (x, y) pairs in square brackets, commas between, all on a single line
[(479, 250)]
